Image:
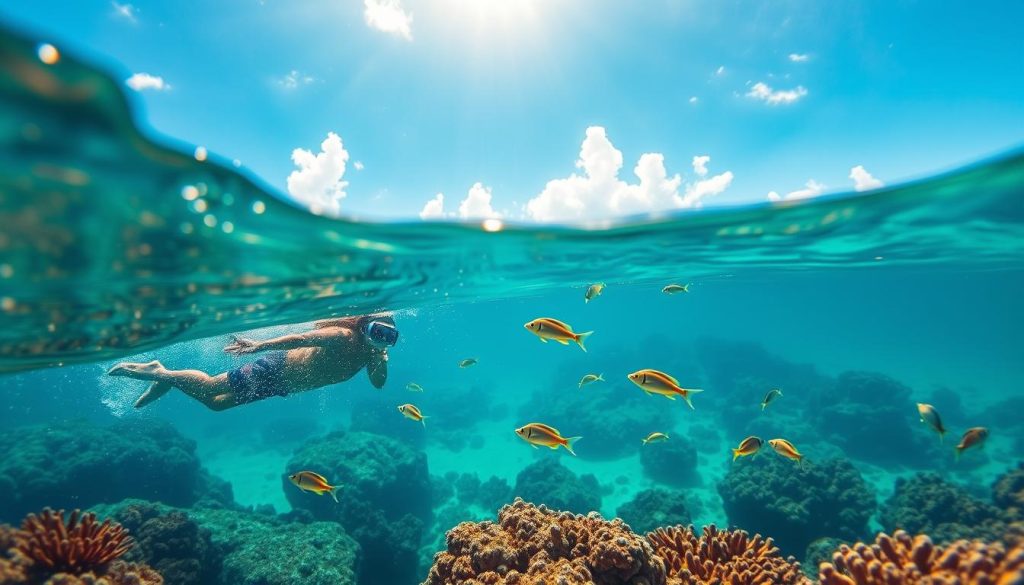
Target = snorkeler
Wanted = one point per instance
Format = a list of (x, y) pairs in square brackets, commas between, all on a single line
[(334, 351)]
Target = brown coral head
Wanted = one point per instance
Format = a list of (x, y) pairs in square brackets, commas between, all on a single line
[(723, 556), (79, 545), (900, 559)]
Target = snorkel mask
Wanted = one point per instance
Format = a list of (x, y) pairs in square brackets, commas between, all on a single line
[(381, 334)]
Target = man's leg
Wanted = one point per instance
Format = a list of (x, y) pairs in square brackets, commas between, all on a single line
[(212, 391)]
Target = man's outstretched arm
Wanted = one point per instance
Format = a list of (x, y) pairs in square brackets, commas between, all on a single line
[(377, 368), (314, 338)]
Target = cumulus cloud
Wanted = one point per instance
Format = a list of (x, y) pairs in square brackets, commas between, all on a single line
[(294, 79), (720, 71), (862, 179), (125, 11), (761, 91), (477, 204), (811, 188), (434, 209), (799, 57), (358, 165), (599, 193), (318, 181), (144, 81), (388, 16), (700, 165)]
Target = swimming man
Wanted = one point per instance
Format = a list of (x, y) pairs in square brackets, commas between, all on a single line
[(334, 351)]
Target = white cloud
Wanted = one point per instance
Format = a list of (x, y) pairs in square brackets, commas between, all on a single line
[(599, 193), (799, 57), (862, 179), (294, 79), (477, 204), (125, 11), (434, 209), (318, 181), (720, 71), (358, 165), (761, 91), (811, 188), (694, 100), (388, 16), (143, 81), (700, 165)]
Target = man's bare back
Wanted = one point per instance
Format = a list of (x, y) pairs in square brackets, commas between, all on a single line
[(334, 351)]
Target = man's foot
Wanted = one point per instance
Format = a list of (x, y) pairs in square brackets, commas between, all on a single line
[(139, 371), (154, 392)]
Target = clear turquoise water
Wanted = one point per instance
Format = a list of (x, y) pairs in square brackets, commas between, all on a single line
[(115, 245)]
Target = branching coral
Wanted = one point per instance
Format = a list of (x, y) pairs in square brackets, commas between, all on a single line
[(723, 557), (531, 544), (77, 546), (902, 560)]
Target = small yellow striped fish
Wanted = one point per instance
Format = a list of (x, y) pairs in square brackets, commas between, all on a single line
[(655, 437), (467, 362), (593, 291), (748, 446), (786, 449), (931, 416), (545, 436), (546, 328), (411, 412), (674, 289), (655, 382), (413, 387), (770, 396), (974, 437), (590, 378), (309, 481)]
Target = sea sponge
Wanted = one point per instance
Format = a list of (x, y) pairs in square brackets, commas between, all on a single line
[(723, 557), (928, 504), (902, 560), (652, 508), (797, 504), (531, 544)]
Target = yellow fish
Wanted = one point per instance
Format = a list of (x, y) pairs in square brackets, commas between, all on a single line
[(748, 446), (413, 387), (655, 382), (770, 396), (931, 416), (545, 436), (309, 481), (546, 328), (593, 291), (674, 289), (786, 449), (467, 362), (410, 411), (589, 378), (655, 437), (974, 437)]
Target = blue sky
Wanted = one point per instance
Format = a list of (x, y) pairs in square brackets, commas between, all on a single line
[(562, 110)]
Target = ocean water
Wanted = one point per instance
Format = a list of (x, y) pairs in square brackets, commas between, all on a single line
[(115, 246)]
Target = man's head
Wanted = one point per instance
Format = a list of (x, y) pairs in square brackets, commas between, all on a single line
[(380, 331)]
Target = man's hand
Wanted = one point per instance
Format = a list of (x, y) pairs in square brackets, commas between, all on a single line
[(241, 345)]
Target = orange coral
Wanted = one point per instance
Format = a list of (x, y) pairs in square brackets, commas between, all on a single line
[(723, 557), (76, 546), (531, 544), (902, 560)]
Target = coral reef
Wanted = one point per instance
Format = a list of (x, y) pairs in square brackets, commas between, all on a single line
[(900, 559), (927, 504), (866, 414), (672, 462), (80, 464), (586, 413), (723, 557), (1008, 493), (653, 508), (50, 550), (530, 545), (385, 496), (170, 542), (550, 483), (797, 504), (819, 551), (245, 548)]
